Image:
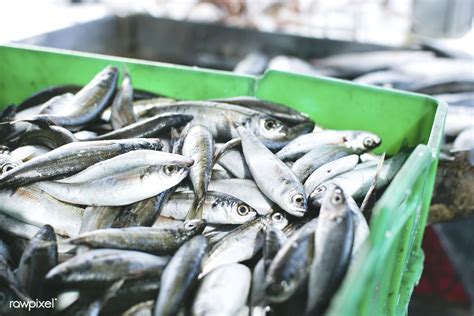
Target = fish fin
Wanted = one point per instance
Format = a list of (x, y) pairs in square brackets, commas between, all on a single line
[(195, 212), (369, 198), (233, 143)]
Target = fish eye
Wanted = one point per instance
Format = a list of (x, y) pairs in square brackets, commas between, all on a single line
[(7, 167), (243, 210), (189, 226), (277, 217), (270, 124), (298, 200), (337, 197), (170, 169), (369, 142)]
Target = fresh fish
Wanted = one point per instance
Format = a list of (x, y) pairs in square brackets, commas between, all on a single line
[(122, 106), (87, 104), (40, 256), (15, 227), (358, 141), (229, 285), (215, 117), (7, 163), (94, 267), (130, 293), (280, 111), (244, 190), (289, 269), (334, 239), (357, 182), (465, 140), (72, 158), (458, 119), (31, 134), (19, 203), (98, 217), (147, 128), (45, 95), (242, 243), (180, 275), (85, 135), (233, 161), (361, 228), (26, 153), (254, 63), (219, 173), (274, 241), (198, 145), (120, 189), (330, 170), (154, 240), (258, 298), (288, 192), (142, 213), (217, 208), (317, 157)]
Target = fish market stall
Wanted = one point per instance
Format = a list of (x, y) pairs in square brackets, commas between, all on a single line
[(156, 165)]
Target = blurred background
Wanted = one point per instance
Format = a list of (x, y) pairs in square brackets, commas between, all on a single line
[(424, 46)]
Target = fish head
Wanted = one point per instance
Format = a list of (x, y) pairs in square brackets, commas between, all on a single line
[(295, 203), (316, 197), (241, 212), (278, 220), (194, 226), (274, 133), (361, 141), (334, 204), (7, 163), (46, 233)]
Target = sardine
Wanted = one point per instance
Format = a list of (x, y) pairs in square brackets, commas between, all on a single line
[(180, 275), (287, 192), (229, 285), (161, 241), (122, 106)]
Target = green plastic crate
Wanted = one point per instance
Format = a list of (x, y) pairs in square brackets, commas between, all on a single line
[(382, 281)]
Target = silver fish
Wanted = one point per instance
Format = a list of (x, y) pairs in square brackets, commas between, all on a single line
[(358, 141), (233, 160), (229, 285), (334, 238), (287, 192), (122, 113), (217, 208), (243, 242), (246, 191), (180, 275), (198, 145)]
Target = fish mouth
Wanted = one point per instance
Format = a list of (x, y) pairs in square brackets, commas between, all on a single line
[(298, 212)]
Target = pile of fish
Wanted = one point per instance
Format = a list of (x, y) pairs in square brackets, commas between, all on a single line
[(119, 201)]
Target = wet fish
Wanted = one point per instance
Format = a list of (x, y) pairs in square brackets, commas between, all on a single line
[(229, 285), (72, 158), (358, 141), (246, 191), (87, 104), (312, 160), (198, 145), (94, 267), (40, 256), (147, 128), (329, 171), (274, 241), (243, 242), (215, 116), (217, 208), (98, 217), (289, 269), (18, 203), (357, 182), (161, 241), (122, 106), (180, 275), (288, 192), (334, 239), (234, 162)]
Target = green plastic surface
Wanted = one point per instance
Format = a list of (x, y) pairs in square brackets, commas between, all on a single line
[(382, 279)]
